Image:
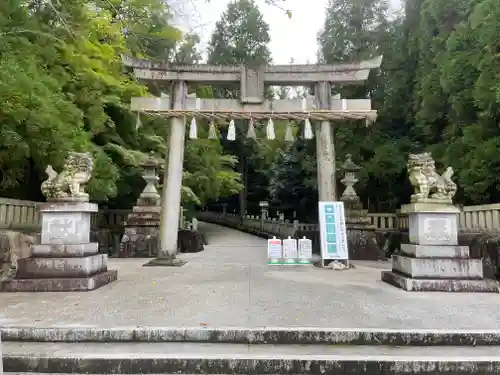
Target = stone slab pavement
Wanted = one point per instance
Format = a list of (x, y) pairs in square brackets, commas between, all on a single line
[(230, 285)]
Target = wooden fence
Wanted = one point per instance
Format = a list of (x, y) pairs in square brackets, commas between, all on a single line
[(472, 219), (24, 216)]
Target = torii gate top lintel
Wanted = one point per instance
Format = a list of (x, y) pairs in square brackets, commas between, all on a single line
[(292, 68), (253, 78)]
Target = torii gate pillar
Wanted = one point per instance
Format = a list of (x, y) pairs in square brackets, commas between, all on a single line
[(325, 151), (172, 183)]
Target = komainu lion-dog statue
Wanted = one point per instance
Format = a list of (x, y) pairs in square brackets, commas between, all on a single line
[(68, 185), (428, 185)]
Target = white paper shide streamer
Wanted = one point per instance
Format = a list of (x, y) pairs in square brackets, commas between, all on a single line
[(193, 130), (288, 133), (308, 133), (370, 119), (344, 105), (212, 132), (231, 131), (251, 130), (270, 130), (138, 122)]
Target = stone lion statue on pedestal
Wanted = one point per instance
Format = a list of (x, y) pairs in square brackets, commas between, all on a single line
[(428, 185), (68, 185)]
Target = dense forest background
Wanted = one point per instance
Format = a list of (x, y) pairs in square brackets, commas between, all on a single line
[(63, 87)]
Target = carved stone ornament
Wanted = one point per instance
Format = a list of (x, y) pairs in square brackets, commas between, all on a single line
[(252, 84), (68, 185), (428, 185)]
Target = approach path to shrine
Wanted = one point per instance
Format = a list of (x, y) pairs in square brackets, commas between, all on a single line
[(230, 285)]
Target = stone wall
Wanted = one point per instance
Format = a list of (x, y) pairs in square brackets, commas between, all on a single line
[(13, 246)]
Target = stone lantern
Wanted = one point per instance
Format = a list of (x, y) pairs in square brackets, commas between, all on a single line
[(150, 196), (355, 214), (142, 227), (349, 196), (361, 234)]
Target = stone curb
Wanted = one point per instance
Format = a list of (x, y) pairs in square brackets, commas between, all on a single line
[(310, 365), (267, 335)]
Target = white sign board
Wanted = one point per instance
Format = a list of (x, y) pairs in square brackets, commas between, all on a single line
[(305, 251), (333, 232), (274, 251), (290, 251)]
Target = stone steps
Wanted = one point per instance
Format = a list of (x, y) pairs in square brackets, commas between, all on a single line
[(257, 335), (267, 351), (220, 358)]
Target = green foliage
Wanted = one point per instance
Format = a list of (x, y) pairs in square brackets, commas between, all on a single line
[(438, 89), (241, 36), (63, 87)]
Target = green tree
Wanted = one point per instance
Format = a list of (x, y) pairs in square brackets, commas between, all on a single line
[(64, 88), (470, 79), (353, 31), (241, 36)]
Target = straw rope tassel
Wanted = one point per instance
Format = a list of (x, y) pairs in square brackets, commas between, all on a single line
[(212, 133), (270, 130), (251, 130), (308, 133), (193, 130), (231, 131), (288, 133), (138, 122)]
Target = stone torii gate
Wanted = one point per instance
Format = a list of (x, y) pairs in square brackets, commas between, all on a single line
[(321, 108)]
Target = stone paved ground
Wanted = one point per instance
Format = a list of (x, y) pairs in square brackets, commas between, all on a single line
[(230, 284)]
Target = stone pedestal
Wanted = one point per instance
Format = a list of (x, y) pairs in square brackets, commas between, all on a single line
[(361, 235), (141, 237), (65, 260), (433, 260), (142, 233)]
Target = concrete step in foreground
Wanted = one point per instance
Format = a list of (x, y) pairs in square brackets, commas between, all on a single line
[(256, 335), (219, 358)]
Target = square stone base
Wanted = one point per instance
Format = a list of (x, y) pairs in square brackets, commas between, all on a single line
[(433, 228), (435, 251), (66, 222), (65, 251), (438, 268), (41, 268), (59, 285), (439, 285)]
